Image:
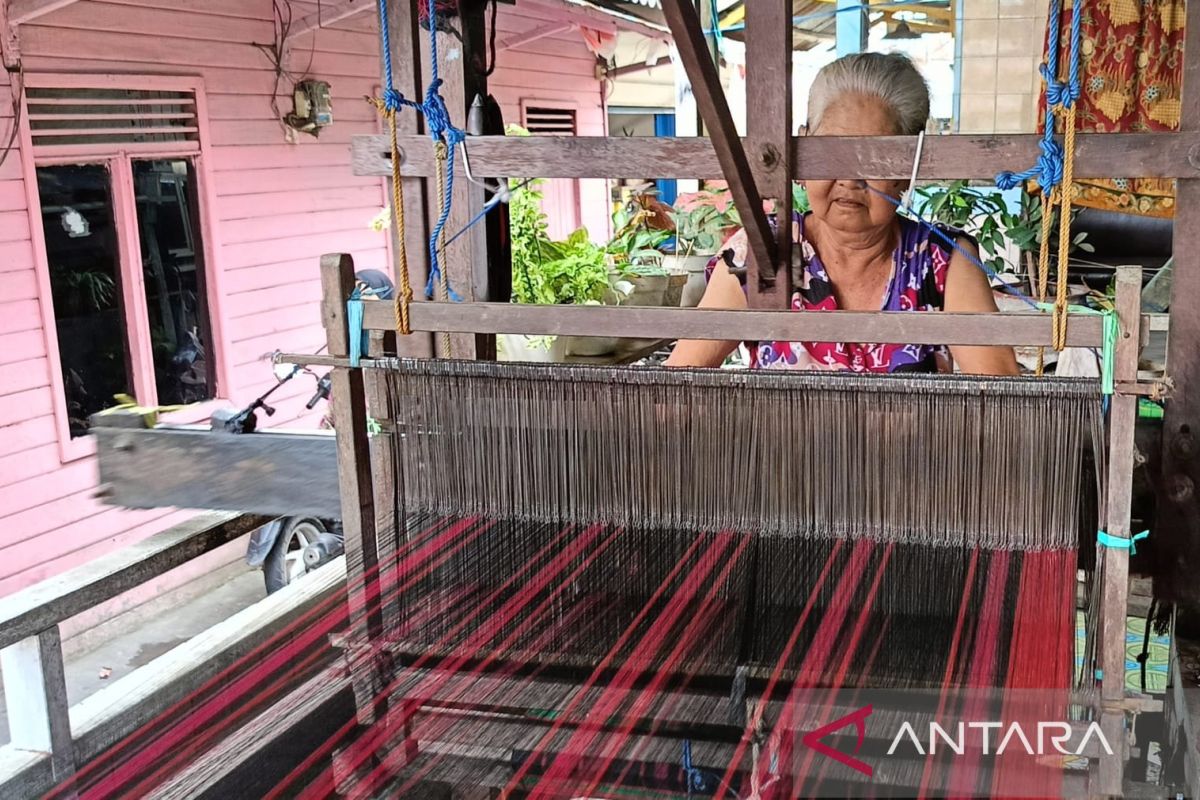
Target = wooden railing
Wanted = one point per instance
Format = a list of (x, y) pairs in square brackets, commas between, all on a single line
[(44, 748)]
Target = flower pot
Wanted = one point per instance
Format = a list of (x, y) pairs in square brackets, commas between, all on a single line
[(648, 290), (694, 266), (674, 262), (674, 293), (536, 349), (590, 345)]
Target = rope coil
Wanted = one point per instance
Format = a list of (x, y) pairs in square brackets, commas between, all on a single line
[(446, 138), (1054, 170)]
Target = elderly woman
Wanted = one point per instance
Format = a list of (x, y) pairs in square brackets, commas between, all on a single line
[(855, 252)]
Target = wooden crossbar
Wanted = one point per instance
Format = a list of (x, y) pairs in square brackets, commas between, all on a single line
[(1097, 155), (1023, 329)]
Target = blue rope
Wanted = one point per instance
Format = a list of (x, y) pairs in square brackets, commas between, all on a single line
[(437, 120), (1049, 167)]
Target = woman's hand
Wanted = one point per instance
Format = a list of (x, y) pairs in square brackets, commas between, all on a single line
[(967, 290), (723, 291)]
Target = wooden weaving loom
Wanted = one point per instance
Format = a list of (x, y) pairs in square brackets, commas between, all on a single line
[(382, 515)]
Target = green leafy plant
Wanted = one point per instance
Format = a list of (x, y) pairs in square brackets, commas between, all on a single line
[(634, 247), (984, 213), (548, 272), (699, 230)]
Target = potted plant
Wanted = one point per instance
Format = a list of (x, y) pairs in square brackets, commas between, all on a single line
[(545, 272), (637, 274)]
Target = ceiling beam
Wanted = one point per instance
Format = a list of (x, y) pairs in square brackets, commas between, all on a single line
[(22, 11), (334, 12), (532, 35)]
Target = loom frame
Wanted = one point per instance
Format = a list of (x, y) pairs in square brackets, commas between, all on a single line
[(760, 166)]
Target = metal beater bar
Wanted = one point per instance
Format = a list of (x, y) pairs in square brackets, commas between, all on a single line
[(1025, 329)]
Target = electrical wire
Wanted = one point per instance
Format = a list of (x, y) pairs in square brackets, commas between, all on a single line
[(491, 67), (16, 86)]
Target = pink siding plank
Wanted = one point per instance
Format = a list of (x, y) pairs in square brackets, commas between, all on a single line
[(279, 156), (21, 315), (27, 434), (259, 302), (346, 107), (21, 375), (31, 403), (20, 285), (267, 276), (253, 132), (12, 193), (250, 180), (27, 463), (296, 247), (266, 204), (114, 17), (238, 9), (72, 479), (22, 345), (16, 255), (279, 319), (81, 542), (20, 527), (254, 230), (304, 339), (130, 49)]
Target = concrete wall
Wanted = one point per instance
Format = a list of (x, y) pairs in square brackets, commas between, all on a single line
[(1002, 43)]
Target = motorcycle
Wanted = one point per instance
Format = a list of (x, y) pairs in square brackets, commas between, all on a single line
[(289, 547)]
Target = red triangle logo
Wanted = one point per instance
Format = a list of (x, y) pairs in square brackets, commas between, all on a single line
[(858, 720)]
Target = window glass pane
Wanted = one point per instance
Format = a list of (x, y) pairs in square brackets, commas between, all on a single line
[(173, 274), (85, 281)]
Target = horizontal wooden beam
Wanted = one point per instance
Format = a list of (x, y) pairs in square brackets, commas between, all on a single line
[(530, 36), (334, 12), (189, 468), (1025, 329), (1098, 155), (23, 11), (43, 605)]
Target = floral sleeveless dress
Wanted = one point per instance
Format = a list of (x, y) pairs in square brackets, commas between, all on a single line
[(918, 283)]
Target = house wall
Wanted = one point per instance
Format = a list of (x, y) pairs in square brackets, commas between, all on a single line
[(557, 71), (275, 208), (1002, 42)]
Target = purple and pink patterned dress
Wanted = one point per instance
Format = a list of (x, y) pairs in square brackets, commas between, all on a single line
[(918, 283)]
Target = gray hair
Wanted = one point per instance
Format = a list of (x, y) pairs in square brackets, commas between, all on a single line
[(890, 77)]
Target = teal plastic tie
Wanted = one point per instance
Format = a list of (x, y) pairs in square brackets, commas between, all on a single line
[(354, 318), (1120, 542), (1108, 348)]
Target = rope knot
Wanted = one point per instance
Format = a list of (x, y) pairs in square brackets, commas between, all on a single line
[(1050, 164), (392, 99)]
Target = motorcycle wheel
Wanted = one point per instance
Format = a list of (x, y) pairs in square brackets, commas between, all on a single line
[(285, 562)]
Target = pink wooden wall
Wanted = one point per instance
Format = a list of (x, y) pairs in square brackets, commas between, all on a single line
[(275, 208)]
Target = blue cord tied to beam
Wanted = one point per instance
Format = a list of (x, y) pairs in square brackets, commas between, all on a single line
[(1059, 95), (1120, 542), (441, 130)]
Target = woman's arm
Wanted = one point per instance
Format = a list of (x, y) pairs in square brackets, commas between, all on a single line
[(723, 291), (967, 290)]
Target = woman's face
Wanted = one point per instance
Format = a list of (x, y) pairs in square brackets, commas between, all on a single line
[(847, 205)]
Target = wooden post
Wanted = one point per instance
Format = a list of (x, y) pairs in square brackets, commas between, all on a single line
[(406, 73), (354, 479), (35, 694), (1114, 561), (710, 97), (769, 138), (1177, 523)]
